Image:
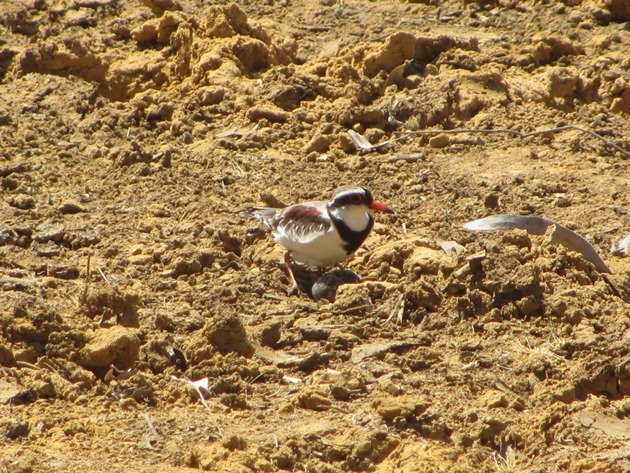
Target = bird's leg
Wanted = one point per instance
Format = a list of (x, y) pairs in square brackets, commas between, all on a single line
[(294, 289)]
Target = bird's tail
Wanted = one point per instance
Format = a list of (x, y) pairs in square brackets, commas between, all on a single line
[(264, 214)]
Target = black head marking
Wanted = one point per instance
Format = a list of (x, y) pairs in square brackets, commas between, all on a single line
[(368, 196), (352, 196)]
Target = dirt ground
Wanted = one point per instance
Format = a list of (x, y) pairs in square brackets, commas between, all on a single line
[(133, 133)]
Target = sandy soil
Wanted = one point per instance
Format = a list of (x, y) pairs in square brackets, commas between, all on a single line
[(133, 133)]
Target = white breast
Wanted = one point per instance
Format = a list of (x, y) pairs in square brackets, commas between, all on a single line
[(355, 216), (324, 249)]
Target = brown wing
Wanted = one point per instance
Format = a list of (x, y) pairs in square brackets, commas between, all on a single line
[(302, 211), (303, 222)]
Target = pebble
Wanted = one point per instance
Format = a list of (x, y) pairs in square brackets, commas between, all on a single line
[(210, 95), (561, 200), (140, 259), (49, 232), (22, 203), (270, 112), (118, 345), (63, 271), (18, 429), (491, 201), (70, 208), (318, 144), (440, 141), (48, 249)]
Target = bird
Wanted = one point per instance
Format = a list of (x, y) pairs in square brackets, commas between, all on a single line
[(321, 233)]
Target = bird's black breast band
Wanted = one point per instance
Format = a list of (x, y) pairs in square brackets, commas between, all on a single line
[(352, 240)]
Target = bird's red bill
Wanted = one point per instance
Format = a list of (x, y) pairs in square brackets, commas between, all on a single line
[(380, 207)]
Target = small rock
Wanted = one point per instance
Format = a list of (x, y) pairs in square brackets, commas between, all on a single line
[(517, 237), (136, 249), (223, 333), (374, 135), (318, 144), (390, 407), (562, 85), (619, 9), (269, 333), (63, 271), (18, 429), (7, 237), (424, 260), (313, 331), (492, 399), (619, 86), (83, 238), (440, 141), (146, 32), (288, 97), (187, 137), (27, 354), (185, 267), (140, 260), (43, 389), (312, 157), (49, 282), (431, 70), (353, 299), (270, 112), (22, 203), (6, 356), (115, 345), (80, 18), (561, 200), (165, 321), (5, 118), (315, 398), (210, 95), (13, 393), (161, 111), (47, 250), (491, 201), (49, 232), (160, 6)]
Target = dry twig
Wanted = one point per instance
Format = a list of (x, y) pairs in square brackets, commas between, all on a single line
[(87, 281), (103, 276), (398, 311)]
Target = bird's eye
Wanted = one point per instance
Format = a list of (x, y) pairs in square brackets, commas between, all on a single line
[(356, 199)]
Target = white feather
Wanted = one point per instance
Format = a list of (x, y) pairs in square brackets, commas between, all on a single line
[(322, 249), (355, 216)]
